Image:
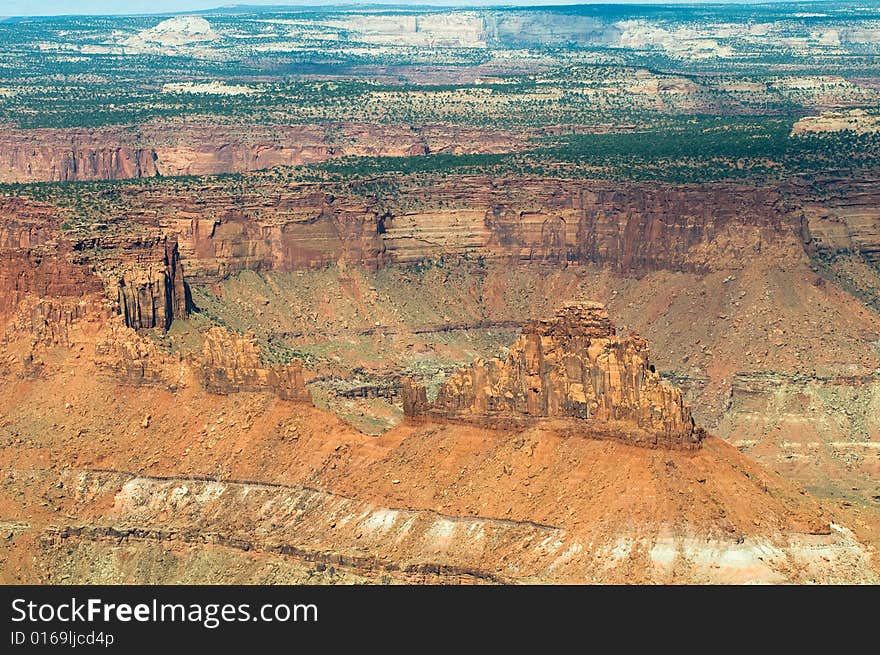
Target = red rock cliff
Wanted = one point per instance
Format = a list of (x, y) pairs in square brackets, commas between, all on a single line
[(151, 290), (230, 364), (141, 272), (633, 228), (176, 148), (569, 367), (34, 259), (842, 216)]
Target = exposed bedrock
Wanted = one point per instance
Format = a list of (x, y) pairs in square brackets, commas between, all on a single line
[(842, 216), (283, 232), (49, 156), (631, 228), (572, 366), (34, 260), (44, 272), (152, 292), (168, 149), (230, 364), (227, 364), (141, 273)]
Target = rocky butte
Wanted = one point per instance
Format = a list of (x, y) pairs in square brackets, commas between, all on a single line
[(573, 370)]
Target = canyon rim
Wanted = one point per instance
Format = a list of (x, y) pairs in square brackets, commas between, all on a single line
[(417, 295)]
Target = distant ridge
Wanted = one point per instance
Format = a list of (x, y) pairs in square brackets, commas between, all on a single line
[(653, 8)]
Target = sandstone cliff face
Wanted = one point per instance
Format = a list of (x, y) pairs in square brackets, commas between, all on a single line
[(34, 260), (212, 149), (44, 273), (113, 153), (230, 363), (842, 216), (141, 272), (152, 292), (39, 328), (631, 228), (26, 224), (68, 155), (415, 398), (569, 367), (49, 321), (279, 232)]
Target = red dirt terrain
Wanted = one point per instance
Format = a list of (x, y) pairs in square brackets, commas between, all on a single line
[(122, 464), (171, 408)]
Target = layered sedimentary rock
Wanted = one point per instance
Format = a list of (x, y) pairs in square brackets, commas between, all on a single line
[(632, 228), (25, 223), (281, 231), (135, 359), (415, 398), (34, 260), (49, 321), (141, 271), (572, 366), (152, 292), (68, 155), (230, 363), (56, 155), (43, 272), (842, 216), (227, 363)]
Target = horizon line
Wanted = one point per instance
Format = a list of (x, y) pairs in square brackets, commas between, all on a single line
[(369, 5)]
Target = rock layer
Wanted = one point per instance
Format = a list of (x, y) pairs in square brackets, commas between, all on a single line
[(141, 272), (632, 228), (230, 364), (167, 149), (572, 366), (153, 293), (135, 359), (843, 216), (34, 260), (227, 364)]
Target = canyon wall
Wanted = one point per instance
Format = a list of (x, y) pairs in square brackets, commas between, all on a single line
[(630, 227), (572, 366), (633, 228), (34, 260), (140, 272), (67, 155), (138, 256), (153, 292), (283, 231), (842, 216), (177, 148)]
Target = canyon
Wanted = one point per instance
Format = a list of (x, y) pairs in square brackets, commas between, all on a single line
[(499, 296), (659, 243), (119, 304), (216, 475), (633, 228)]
